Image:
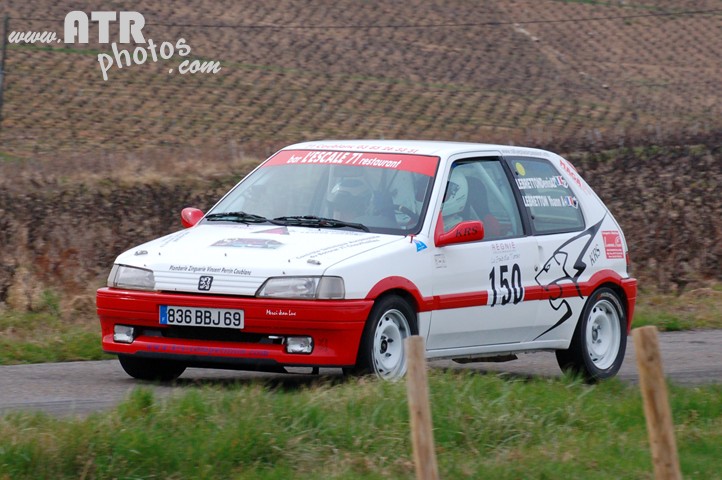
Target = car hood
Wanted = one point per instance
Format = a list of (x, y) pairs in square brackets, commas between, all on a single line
[(241, 257)]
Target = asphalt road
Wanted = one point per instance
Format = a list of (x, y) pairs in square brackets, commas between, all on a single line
[(80, 388)]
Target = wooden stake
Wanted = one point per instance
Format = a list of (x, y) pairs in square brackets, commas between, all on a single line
[(656, 404), (422, 436)]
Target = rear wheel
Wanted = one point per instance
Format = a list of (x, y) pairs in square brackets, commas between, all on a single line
[(382, 350), (600, 338), (151, 368)]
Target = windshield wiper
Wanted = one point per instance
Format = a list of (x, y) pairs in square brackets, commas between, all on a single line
[(317, 222), (241, 217)]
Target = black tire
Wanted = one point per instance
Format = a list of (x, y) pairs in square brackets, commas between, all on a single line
[(382, 351), (151, 368), (597, 349)]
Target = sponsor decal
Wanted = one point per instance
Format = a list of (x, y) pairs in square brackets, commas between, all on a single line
[(420, 245), (594, 254), (205, 282), (440, 260), (565, 265), (613, 247), (466, 232), (572, 172), (248, 243), (422, 164), (208, 269), (503, 252), (280, 313)]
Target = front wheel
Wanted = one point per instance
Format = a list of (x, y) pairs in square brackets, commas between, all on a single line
[(599, 342), (382, 350), (151, 368)]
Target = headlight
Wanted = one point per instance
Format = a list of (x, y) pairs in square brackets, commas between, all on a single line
[(324, 288), (123, 276)]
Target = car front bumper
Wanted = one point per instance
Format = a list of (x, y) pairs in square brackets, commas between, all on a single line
[(335, 326)]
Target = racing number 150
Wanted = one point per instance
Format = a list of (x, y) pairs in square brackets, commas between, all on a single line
[(510, 286)]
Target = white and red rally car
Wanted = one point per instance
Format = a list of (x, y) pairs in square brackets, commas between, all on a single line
[(331, 253)]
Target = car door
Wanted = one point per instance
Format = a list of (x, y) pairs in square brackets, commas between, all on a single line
[(479, 287), (566, 249)]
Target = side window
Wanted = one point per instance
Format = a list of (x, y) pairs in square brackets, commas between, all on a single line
[(551, 204), (479, 190)]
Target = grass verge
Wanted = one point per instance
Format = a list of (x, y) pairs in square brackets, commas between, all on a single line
[(694, 309), (485, 427), (48, 335)]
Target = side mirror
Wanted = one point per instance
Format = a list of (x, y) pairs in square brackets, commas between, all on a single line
[(464, 232), (190, 216)]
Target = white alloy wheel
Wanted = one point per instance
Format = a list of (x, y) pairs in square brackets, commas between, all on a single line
[(603, 334), (597, 347), (389, 354)]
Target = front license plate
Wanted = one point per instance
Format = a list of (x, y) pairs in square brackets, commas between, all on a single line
[(201, 317)]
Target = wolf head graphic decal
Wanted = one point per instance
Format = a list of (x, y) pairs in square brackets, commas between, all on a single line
[(565, 266)]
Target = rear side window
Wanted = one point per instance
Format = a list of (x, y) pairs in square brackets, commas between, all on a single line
[(551, 204)]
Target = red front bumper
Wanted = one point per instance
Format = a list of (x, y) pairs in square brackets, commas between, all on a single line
[(335, 326)]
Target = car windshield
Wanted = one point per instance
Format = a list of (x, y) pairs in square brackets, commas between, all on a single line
[(378, 192)]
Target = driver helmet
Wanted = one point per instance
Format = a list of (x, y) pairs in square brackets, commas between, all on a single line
[(457, 191), (350, 194)]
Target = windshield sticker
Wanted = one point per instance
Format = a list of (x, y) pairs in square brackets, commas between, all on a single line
[(536, 183), (422, 164), (339, 247), (248, 243), (525, 152), (520, 169), (372, 148), (612, 244)]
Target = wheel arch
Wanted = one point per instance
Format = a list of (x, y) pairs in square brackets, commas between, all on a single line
[(408, 298), (625, 288), (403, 288)]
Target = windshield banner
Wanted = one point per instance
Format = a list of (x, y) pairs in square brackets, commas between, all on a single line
[(423, 164)]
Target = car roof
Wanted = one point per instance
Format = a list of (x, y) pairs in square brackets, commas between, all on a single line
[(419, 147)]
